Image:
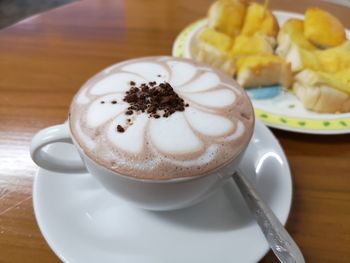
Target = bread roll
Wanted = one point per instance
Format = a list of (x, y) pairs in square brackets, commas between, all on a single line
[(263, 70), (323, 29), (226, 16), (259, 19), (322, 92)]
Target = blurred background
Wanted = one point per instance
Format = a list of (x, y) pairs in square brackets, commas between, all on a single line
[(11, 11)]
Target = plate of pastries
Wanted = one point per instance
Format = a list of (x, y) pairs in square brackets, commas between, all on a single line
[(295, 67)]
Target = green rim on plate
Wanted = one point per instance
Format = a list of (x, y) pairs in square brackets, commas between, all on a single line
[(301, 123), (306, 125)]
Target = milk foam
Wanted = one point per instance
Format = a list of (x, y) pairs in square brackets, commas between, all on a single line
[(208, 124), (210, 132), (181, 72), (173, 136), (205, 81), (221, 98), (133, 140), (98, 113)]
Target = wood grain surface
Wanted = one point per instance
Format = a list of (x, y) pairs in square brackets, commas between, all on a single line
[(45, 59)]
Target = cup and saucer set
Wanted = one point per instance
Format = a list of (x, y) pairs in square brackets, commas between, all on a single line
[(87, 213)]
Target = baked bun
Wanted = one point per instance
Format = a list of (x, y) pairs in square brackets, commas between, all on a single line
[(212, 47), (292, 34), (226, 16), (250, 45), (323, 29), (263, 70), (323, 92), (259, 19), (302, 54)]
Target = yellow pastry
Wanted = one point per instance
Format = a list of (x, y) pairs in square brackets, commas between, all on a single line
[(259, 19), (292, 33), (212, 48), (215, 38), (262, 70), (323, 29), (339, 80), (323, 92), (334, 59), (214, 57), (226, 16), (220, 44), (328, 60), (249, 45)]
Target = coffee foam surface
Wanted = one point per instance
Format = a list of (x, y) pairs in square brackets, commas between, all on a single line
[(210, 132)]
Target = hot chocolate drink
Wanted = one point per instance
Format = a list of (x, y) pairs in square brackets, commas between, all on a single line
[(161, 118)]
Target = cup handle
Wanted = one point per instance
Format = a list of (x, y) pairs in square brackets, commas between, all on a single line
[(53, 134)]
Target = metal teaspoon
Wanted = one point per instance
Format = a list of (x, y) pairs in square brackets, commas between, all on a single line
[(281, 243)]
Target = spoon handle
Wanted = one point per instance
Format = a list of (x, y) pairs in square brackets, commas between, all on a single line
[(281, 243)]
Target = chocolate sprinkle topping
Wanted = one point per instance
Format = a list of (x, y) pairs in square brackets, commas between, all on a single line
[(157, 100), (114, 102), (120, 128), (154, 98)]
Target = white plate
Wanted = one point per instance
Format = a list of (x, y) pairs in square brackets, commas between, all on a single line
[(284, 111), (83, 223)]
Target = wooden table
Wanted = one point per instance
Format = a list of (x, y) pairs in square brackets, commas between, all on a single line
[(45, 59)]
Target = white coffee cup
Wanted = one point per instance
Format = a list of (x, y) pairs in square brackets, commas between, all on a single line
[(148, 194), (220, 101)]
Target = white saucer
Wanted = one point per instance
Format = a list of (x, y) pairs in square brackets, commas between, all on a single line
[(83, 223)]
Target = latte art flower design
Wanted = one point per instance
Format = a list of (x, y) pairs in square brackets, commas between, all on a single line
[(188, 136)]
